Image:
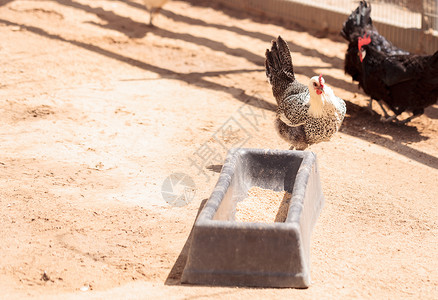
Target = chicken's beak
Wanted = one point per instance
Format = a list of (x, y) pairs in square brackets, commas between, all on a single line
[(361, 54), (320, 90)]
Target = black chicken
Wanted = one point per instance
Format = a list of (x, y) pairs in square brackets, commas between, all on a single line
[(358, 23), (404, 82)]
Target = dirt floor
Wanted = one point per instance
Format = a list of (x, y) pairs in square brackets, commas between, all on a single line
[(97, 110)]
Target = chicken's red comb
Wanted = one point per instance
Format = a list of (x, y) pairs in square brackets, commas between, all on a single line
[(365, 40), (320, 80)]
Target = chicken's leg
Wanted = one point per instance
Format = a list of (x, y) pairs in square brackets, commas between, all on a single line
[(153, 11), (389, 119), (415, 114), (385, 112), (370, 107), (151, 16), (299, 146)]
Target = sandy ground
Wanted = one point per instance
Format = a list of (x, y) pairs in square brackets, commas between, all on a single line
[(97, 110)]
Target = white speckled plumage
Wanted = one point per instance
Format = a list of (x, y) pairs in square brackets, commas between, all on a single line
[(306, 115)]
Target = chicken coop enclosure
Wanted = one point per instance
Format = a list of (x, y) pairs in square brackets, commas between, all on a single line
[(409, 24)]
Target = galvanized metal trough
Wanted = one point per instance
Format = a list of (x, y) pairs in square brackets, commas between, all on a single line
[(230, 253)]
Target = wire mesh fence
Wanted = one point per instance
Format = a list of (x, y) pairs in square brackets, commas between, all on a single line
[(421, 14), (408, 24), (430, 14)]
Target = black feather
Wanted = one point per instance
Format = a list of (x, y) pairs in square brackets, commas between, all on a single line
[(279, 67), (404, 82)]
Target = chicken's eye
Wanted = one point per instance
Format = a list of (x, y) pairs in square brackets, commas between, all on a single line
[(314, 84)]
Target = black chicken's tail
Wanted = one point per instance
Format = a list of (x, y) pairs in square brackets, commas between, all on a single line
[(434, 60), (358, 21), (279, 67), (433, 76)]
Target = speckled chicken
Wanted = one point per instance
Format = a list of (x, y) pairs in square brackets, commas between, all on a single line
[(306, 115), (153, 7)]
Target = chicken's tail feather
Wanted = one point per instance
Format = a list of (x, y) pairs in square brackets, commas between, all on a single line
[(358, 21), (433, 76), (434, 60), (278, 63)]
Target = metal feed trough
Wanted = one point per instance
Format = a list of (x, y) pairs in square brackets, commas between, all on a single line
[(226, 252)]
